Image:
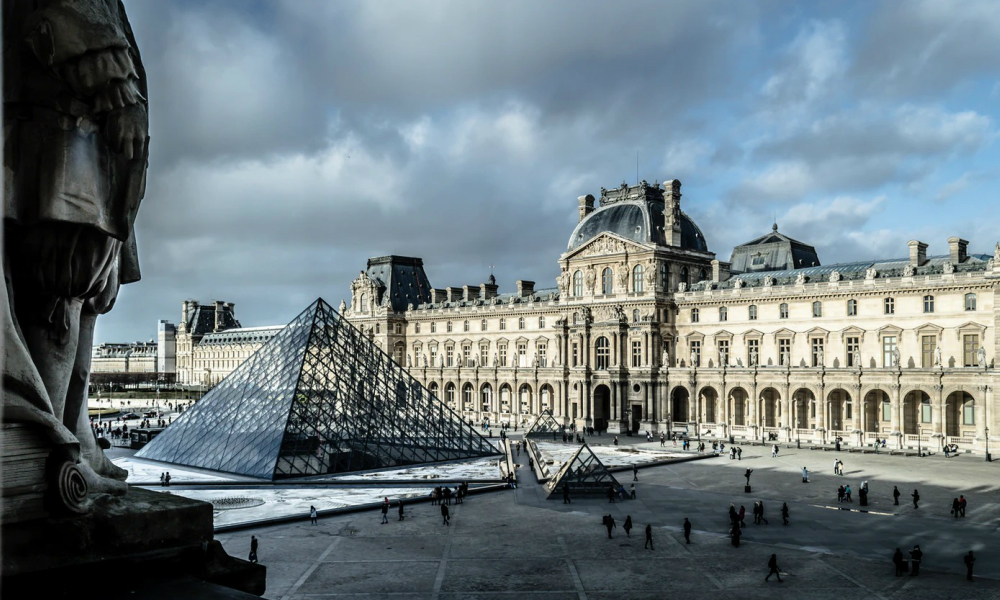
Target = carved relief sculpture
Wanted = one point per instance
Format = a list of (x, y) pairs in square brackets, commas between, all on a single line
[(981, 357), (590, 278), (623, 276), (76, 149)]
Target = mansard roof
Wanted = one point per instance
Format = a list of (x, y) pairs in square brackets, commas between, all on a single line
[(772, 252), (401, 280)]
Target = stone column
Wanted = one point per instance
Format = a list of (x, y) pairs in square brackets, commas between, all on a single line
[(981, 412), (786, 413)]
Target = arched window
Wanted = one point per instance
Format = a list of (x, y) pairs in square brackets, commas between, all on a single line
[(852, 308), (817, 309), (753, 312), (928, 304), (482, 325), (695, 314), (723, 313), (465, 325), (970, 302), (702, 275), (486, 397), (467, 396), (578, 284), (434, 389), (637, 279), (603, 347), (449, 395), (783, 311), (520, 323), (684, 276), (364, 302), (664, 277), (635, 315), (606, 280)]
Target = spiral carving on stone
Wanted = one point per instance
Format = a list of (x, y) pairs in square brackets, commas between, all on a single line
[(71, 488)]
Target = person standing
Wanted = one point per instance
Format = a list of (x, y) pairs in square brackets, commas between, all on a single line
[(739, 454), (253, 549), (784, 513), (836, 466), (687, 530), (566, 493), (756, 518), (772, 566), (734, 534), (954, 507), (385, 513), (915, 556), (747, 475), (840, 494), (742, 516), (969, 560), (401, 515), (916, 498), (897, 560), (444, 513), (805, 475), (760, 513), (611, 494), (895, 495), (632, 491), (961, 504), (649, 543), (635, 473), (628, 526), (312, 514)]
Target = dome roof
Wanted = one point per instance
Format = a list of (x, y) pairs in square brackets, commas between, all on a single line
[(641, 221)]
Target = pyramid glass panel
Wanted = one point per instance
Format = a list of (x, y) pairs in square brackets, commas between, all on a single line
[(584, 473), (318, 398), (544, 426)]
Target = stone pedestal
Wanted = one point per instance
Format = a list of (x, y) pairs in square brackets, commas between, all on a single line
[(123, 541)]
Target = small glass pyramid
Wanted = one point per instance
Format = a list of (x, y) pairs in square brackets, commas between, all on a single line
[(584, 473), (543, 426), (318, 398)]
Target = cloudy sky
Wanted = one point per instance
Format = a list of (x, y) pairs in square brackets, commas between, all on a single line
[(292, 140)]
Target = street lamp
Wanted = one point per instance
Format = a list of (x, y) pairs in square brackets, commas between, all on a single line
[(628, 421), (988, 457)]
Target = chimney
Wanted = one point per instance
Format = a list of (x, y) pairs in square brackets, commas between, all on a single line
[(672, 212), (525, 288), (918, 253), (438, 296), (958, 249), (470, 292), (219, 319), (716, 270), (488, 290), (454, 293), (586, 205), (186, 311)]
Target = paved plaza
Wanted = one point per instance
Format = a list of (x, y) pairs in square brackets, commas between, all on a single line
[(516, 542)]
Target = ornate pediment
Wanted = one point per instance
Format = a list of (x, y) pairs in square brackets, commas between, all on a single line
[(783, 332), (852, 331), (606, 243), (817, 332)]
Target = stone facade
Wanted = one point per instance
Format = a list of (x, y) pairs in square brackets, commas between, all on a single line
[(137, 357), (647, 330)]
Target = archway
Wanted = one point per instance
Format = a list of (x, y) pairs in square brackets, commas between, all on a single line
[(739, 408), (468, 404), (449, 396), (708, 399), (505, 394), (486, 398), (916, 412), (878, 411), (679, 404), (602, 407), (433, 387), (524, 399), (803, 410), (545, 397), (839, 402), (770, 407), (960, 415)]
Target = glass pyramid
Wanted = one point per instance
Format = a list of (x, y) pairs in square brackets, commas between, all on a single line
[(543, 426), (584, 473), (318, 398)]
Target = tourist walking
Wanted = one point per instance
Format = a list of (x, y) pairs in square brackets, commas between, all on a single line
[(739, 454), (312, 514), (772, 566), (836, 466), (742, 516), (735, 534), (961, 505), (649, 543), (954, 507), (899, 562), (687, 530), (632, 491), (628, 526), (895, 495), (253, 549), (635, 473), (840, 494), (566, 493), (784, 513), (611, 494), (385, 513), (401, 515), (760, 513), (609, 522), (916, 498), (847, 492), (444, 513), (969, 561), (915, 556)]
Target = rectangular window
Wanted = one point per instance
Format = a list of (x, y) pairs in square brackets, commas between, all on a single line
[(783, 311), (970, 344), (434, 356), (522, 355), (817, 352), (890, 306), (503, 324), (576, 354), (467, 356), (450, 357), (853, 346), (928, 304), (784, 352), (541, 322), (694, 315), (434, 327), (968, 414), (886, 410), (695, 352), (723, 352), (925, 412), (753, 352), (416, 328), (852, 308), (503, 355), (888, 346), (817, 309), (636, 353), (970, 302), (847, 410), (484, 355), (927, 345), (542, 350)]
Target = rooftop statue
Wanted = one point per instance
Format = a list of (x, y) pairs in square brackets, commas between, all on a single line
[(76, 147)]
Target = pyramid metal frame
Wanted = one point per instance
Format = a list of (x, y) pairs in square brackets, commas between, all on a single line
[(543, 425), (584, 473), (318, 398)]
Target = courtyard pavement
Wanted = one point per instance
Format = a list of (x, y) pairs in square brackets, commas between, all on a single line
[(517, 542)]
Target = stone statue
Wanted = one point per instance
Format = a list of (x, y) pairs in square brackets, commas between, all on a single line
[(75, 155), (590, 278), (343, 306), (895, 357), (694, 359), (996, 254), (409, 362), (768, 281), (937, 356), (834, 276), (650, 273), (619, 313), (819, 357), (948, 268), (682, 287), (981, 357), (870, 273), (623, 276), (753, 358), (495, 359), (800, 279), (666, 359), (908, 271), (857, 358), (786, 358), (738, 284)]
